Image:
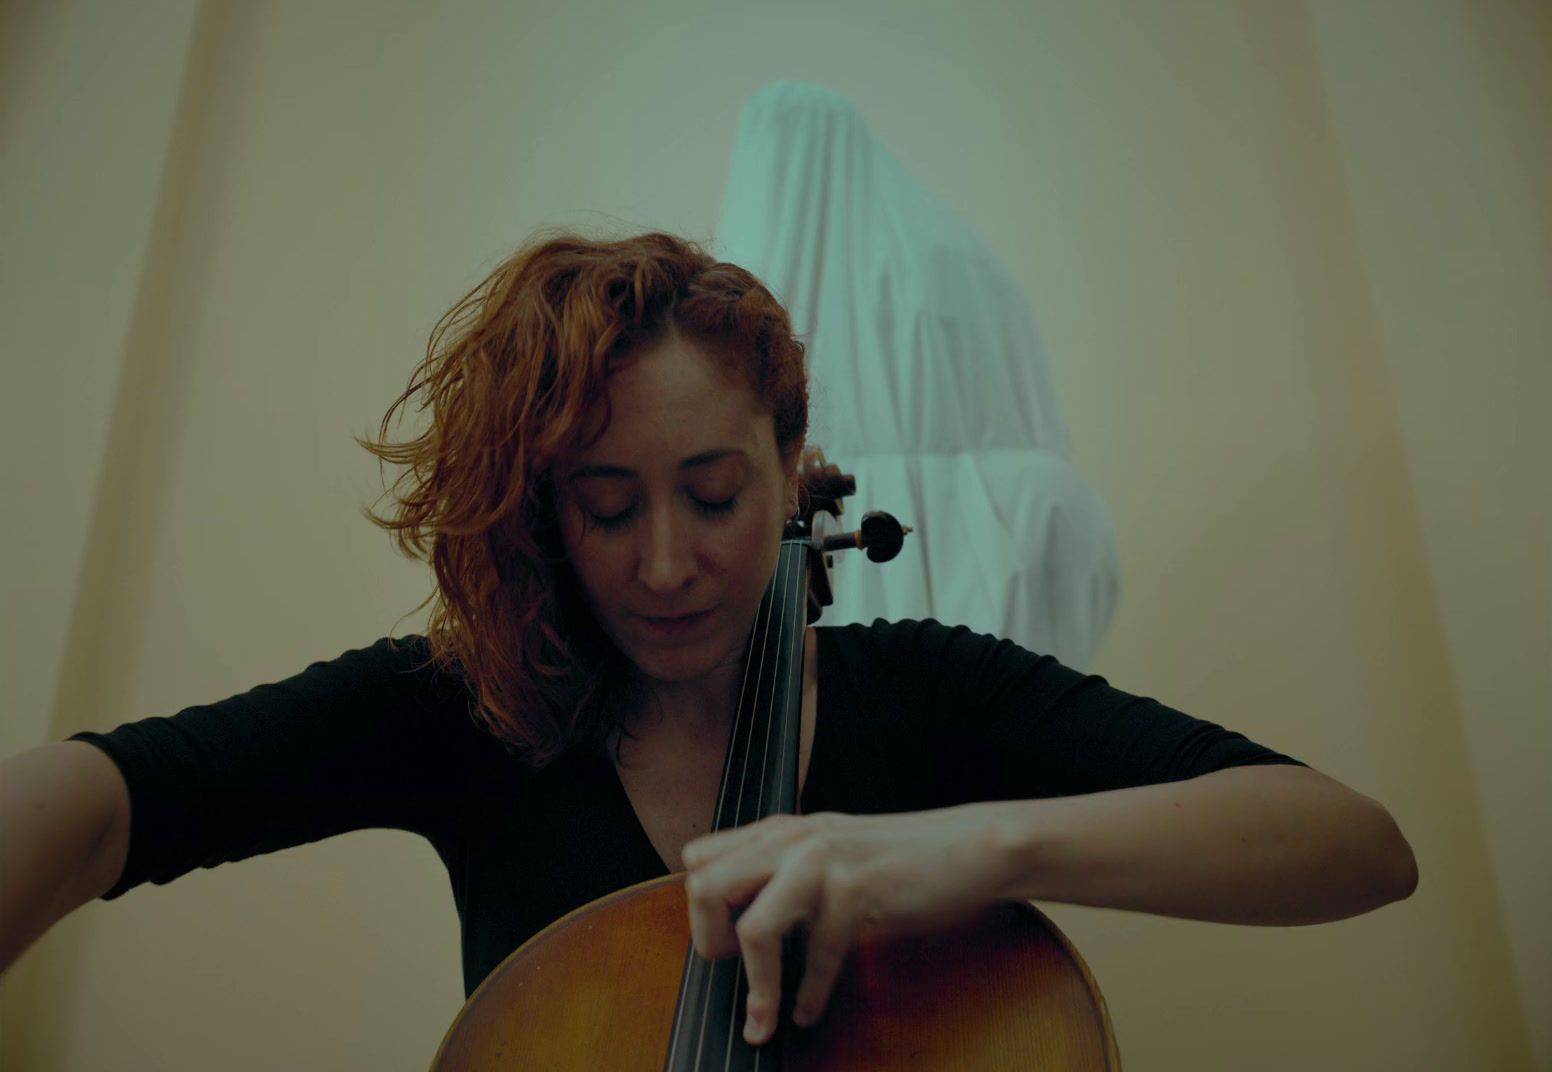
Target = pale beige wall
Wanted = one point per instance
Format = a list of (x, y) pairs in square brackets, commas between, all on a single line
[(1446, 147), (1257, 372), (88, 96)]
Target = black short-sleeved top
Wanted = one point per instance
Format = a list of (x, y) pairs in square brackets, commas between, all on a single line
[(911, 715)]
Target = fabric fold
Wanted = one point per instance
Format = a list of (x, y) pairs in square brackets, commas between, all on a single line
[(929, 381)]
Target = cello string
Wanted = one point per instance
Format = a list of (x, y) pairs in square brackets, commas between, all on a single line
[(794, 562), (698, 1013), (789, 596), (762, 632), (778, 589), (799, 635)]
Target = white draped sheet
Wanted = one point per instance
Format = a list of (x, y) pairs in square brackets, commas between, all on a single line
[(929, 381)]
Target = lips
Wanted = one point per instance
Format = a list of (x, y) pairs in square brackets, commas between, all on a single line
[(683, 623)]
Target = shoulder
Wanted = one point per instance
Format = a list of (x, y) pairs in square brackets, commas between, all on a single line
[(391, 690), (410, 662), (914, 637)]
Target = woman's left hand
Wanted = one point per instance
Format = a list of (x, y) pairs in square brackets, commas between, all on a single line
[(842, 878)]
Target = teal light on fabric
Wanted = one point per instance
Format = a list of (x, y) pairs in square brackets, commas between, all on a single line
[(929, 381)]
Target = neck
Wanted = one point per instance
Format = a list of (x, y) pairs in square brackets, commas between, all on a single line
[(694, 711), (685, 718)]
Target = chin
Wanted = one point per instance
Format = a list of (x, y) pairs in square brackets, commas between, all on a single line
[(677, 664)]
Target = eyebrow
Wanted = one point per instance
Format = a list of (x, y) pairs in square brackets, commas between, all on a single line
[(694, 461)]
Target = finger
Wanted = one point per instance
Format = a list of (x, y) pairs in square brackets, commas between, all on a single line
[(788, 899), (728, 871), (714, 891), (698, 852), (831, 934), (773, 829)]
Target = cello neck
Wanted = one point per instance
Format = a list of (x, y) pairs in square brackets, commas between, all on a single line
[(759, 778), (760, 773)]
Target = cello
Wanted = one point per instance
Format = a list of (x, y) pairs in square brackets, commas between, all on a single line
[(617, 984)]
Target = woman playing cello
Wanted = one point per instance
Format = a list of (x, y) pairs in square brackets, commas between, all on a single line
[(601, 493)]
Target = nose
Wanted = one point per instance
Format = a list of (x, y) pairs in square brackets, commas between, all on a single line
[(667, 562)]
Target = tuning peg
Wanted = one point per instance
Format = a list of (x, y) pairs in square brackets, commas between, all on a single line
[(880, 535)]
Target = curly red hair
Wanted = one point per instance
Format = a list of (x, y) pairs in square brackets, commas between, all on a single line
[(525, 356)]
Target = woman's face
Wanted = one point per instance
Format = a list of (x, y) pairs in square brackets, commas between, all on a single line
[(678, 509)]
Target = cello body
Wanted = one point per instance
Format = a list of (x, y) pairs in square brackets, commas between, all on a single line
[(596, 990)]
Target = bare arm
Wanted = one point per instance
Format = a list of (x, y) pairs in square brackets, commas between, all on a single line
[(1275, 845), (64, 834)]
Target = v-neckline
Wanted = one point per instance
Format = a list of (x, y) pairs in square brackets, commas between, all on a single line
[(622, 797)]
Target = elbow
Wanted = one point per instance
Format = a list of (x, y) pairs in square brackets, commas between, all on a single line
[(1401, 872), (1408, 868), (1382, 864)]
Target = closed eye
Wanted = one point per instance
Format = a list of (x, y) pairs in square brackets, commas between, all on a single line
[(618, 521)]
